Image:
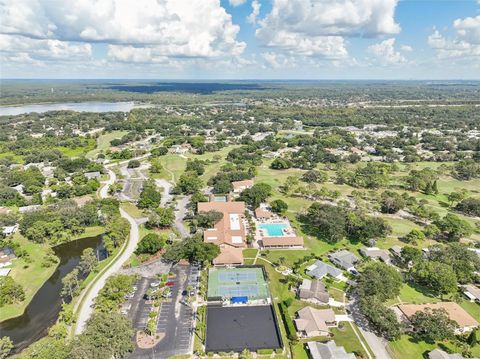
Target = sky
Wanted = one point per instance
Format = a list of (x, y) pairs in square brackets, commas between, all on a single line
[(240, 39)]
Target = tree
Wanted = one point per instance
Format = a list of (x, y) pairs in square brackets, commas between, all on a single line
[(431, 231), (207, 219), (70, 283), (422, 180), (327, 221), (188, 183), (433, 325), (159, 151), (380, 280), (6, 346), (279, 206), (391, 202), (156, 166), (195, 166), (469, 206), (107, 335), (150, 244), (453, 227), (149, 197), (222, 187), (161, 217), (457, 196), (10, 291), (192, 249), (410, 255), (280, 164), (314, 176), (133, 164), (113, 292), (414, 236), (439, 277), (466, 170), (383, 319), (255, 195), (88, 260)]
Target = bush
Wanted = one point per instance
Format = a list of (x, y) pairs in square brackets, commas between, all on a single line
[(289, 326), (265, 351), (150, 244)]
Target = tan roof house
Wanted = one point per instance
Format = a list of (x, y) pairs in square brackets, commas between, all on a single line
[(456, 313), (311, 322), (313, 291), (239, 186), (228, 233)]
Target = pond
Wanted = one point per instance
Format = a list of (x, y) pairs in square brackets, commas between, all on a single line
[(90, 106), (42, 311)]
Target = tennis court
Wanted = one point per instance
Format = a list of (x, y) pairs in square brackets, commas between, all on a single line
[(237, 282)]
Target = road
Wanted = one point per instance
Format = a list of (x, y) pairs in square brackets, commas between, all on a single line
[(376, 343), (84, 306), (180, 212), (167, 189)]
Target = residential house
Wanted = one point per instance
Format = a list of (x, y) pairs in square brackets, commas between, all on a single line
[(239, 186), (440, 354), (456, 313), (328, 350), (396, 251), (312, 322), (313, 291), (320, 269), (472, 292), (92, 175), (376, 253), (9, 230), (228, 233), (31, 208), (344, 259)]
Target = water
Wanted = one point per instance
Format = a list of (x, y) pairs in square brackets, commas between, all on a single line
[(42, 311), (72, 106), (273, 229)]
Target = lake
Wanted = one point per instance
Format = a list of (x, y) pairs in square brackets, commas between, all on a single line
[(90, 106), (42, 311)]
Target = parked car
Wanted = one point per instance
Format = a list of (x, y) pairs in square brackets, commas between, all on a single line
[(169, 283), (154, 284)]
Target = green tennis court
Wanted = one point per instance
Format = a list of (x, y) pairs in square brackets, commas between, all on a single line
[(225, 283)]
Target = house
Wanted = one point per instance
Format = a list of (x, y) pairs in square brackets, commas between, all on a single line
[(92, 175), (282, 242), (328, 350), (313, 291), (181, 149), (311, 322), (456, 313), (32, 208), (239, 186), (396, 251), (472, 292), (9, 230), (440, 354), (263, 213), (228, 232), (4, 271), (320, 269), (376, 253), (344, 259)]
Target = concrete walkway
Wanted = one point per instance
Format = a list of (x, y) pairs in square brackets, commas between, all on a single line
[(84, 305)]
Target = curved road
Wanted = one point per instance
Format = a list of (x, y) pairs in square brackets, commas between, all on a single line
[(89, 294)]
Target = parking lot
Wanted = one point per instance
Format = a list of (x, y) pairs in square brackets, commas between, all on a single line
[(176, 318)]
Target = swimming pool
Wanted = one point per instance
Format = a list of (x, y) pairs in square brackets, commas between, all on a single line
[(273, 229)]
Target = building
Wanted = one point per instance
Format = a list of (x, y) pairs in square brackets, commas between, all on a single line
[(376, 253), (344, 259), (313, 291), (311, 322), (472, 292), (239, 186), (32, 208), (328, 350), (263, 213), (282, 242), (92, 175), (9, 230), (229, 232), (456, 313), (320, 269), (396, 251), (440, 354)]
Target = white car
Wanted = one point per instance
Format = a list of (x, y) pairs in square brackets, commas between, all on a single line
[(154, 284)]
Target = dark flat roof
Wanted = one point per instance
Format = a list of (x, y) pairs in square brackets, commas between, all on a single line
[(239, 328)]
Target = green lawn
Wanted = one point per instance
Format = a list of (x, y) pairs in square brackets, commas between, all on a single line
[(132, 210), (408, 294), (103, 142), (406, 347), (173, 167), (250, 252)]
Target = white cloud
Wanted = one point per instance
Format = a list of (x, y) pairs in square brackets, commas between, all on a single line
[(180, 28), (277, 61), (386, 53), (464, 45), (237, 2), (317, 27), (406, 48), (252, 18)]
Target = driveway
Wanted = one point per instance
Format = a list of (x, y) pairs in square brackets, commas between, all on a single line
[(175, 321), (376, 343), (167, 188), (180, 212)]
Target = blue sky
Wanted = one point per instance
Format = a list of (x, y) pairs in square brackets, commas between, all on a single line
[(227, 39)]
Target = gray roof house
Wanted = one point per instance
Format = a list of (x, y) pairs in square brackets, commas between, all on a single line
[(320, 269), (328, 350), (472, 292), (313, 290), (376, 253), (92, 175), (344, 259), (440, 354)]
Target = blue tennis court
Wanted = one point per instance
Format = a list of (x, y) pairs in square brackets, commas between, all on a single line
[(245, 290), (237, 276)]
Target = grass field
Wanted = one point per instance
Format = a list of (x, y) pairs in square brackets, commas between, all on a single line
[(103, 142)]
